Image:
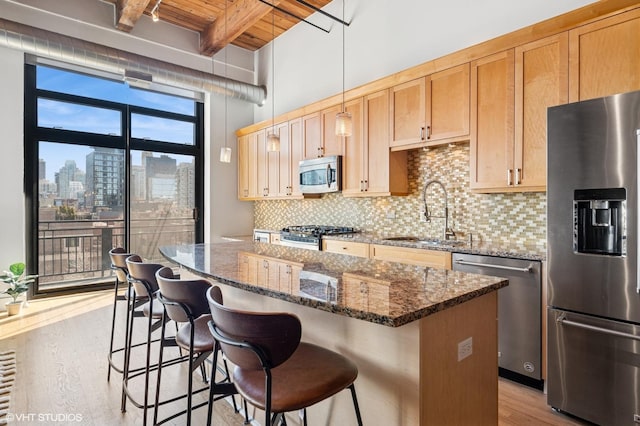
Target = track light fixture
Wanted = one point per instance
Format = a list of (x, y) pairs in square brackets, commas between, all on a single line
[(155, 12)]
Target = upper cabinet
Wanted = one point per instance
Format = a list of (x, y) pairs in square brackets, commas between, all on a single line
[(370, 168), (541, 82), (447, 104), (431, 110), (604, 57), (319, 134), (511, 92), (247, 160), (492, 119)]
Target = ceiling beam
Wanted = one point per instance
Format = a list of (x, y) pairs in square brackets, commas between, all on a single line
[(241, 15), (128, 12)]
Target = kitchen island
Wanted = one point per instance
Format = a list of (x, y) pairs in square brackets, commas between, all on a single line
[(424, 339)]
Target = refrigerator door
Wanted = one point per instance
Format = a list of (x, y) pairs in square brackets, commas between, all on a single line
[(592, 154), (594, 368)]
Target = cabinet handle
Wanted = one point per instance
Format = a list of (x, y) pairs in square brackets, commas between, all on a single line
[(517, 176), (428, 132), (509, 177), (366, 185), (421, 133)]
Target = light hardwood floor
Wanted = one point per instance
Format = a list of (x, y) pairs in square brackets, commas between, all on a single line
[(62, 344)]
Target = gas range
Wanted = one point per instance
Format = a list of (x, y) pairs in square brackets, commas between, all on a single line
[(310, 236)]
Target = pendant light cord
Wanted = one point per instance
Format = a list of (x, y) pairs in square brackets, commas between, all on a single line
[(343, 57), (273, 72)]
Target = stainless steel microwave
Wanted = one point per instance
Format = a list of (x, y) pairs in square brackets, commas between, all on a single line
[(320, 175)]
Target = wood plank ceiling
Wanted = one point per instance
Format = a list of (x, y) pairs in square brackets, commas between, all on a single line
[(248, 24)]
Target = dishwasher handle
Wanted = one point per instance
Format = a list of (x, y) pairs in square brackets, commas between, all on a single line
[(491, 265)]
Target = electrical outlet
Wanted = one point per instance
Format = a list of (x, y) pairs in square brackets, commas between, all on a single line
[(465, 348), (422, 218), (391, 214)]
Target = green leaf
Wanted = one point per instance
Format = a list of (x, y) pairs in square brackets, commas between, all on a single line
[(17, 268)]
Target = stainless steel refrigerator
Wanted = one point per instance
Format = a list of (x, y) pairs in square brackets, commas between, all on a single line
[(592, 253)]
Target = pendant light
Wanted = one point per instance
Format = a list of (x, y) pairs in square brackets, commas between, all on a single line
[(155, 12), (273, 140), (225, 151), (344, 124)]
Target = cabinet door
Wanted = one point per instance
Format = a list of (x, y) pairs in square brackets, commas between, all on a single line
[(312, 135), (262, 164), (376, 136), (492, 117), (243, 167), (408, 113), (331, 144), (447, 104), (354, 151), (604, 57), (296, 149), (279, 170), (247, 167), (541, 81)]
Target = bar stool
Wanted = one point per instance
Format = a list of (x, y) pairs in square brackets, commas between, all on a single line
[(275, 371), (142, 280), (185, 303), (118, 256)]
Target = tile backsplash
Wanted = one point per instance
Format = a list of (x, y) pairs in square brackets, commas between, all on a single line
[(513, 218)]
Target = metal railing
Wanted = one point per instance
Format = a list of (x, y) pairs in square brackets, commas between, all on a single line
[(76, 252)]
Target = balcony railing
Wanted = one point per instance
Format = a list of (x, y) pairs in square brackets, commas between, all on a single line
[(76, 252)]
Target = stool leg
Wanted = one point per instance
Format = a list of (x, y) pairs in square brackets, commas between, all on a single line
[(113, 324), (161, 351), (127, 350), (355, 403)]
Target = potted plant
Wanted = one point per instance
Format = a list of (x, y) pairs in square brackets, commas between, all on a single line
[(18, 284)]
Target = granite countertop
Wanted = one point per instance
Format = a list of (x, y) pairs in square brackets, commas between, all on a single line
[(387, 293), (526, 252)]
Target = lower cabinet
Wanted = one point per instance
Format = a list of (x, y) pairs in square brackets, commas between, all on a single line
[(360, 290), (271, 273), (411, 256), (346, 247)]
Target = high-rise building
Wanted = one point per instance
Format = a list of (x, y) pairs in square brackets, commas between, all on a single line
[(67, 174), (185, 183), (105, 179), (42, 169), (160, 177)]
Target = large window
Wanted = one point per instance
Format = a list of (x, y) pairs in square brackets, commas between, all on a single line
[(106, 165)]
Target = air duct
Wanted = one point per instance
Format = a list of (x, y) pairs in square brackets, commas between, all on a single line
[(46, 44)]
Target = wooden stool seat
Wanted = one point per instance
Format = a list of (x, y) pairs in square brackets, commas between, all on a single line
[(311, 375)]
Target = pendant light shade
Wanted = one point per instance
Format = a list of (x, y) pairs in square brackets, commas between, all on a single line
[(273, 141), (344, 124), (225, 154)]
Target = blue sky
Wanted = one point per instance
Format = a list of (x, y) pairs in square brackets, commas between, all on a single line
[(98, 120)]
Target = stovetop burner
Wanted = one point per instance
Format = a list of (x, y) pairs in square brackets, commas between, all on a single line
[(318, 230), (309, 236)]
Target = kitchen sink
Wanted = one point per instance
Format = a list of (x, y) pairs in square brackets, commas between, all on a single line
[(411, 239), (426, 242)]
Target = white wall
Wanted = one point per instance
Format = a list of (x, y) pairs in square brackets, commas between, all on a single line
[(12, 210), (385, 37)]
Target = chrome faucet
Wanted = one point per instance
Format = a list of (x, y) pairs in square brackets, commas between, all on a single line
[(447, 232)]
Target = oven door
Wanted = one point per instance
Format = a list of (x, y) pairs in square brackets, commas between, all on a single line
[(321, 175), (309, 245)]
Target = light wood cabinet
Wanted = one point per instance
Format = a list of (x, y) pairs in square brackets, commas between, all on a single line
[(319, 135), (359, 291), (296, 148), (541, 81), (350, 248), (247, 167), (270, 273), (431, 110), (370, 168), (312, 135), (511, 92), (604, 57), (408, 113), (447, 104), (492, 121), (412, 256), (332, 144)]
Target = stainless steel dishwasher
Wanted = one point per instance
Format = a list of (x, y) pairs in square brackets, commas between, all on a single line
[(519, 313)]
